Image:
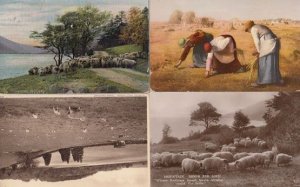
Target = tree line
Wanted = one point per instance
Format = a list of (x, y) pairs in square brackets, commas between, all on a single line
[(78, 33)]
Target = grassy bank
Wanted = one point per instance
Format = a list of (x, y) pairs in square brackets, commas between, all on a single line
[(81, 81)]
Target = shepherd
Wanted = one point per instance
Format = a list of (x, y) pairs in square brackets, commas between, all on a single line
[(195, 41), (267, 46)]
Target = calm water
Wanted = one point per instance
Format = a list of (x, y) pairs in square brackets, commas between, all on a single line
[(14, 65)]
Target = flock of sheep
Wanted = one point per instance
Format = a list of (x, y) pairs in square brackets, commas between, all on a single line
[(225, 159), (127, 60)]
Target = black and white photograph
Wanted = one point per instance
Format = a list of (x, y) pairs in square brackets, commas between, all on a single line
[(231, 139), (73, 141)]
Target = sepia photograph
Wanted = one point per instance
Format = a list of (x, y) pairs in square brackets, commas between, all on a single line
[(71, 141), (231, 45), (74, 46), (232, 139)]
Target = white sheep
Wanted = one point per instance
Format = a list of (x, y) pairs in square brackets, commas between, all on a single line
[(270, 155), (166, 159), (246, 162), (262, 144), (283, 159), (261, 159), (202, 156), (190, 166), (237, 156), (177, 158), (214, 163), (211, 147), (225, 155), (231, 149), (231, 166), (190, 153)]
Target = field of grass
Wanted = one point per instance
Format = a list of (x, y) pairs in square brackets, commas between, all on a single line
[(260, 177), (105, 118), (165, 53), (124, 49), (81, 81)]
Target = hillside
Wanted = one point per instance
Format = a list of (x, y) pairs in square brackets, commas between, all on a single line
[(10, 47)]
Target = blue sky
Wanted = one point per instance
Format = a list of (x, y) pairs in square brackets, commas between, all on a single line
[(19, 17), (160, 10)]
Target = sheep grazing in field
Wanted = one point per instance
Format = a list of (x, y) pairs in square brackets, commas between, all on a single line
[(262, 144), (226, 148), (202, 156), (166, 159), (270, 155), (283, 159), (190, 154), (225, 155), (255, 141), (238, 156), (214, 163), (211, 147), (177, 159), (246, 162), (231, 166), (261, 159), (190, 166)]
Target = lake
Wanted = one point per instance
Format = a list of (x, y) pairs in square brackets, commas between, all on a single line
[(14, 65)]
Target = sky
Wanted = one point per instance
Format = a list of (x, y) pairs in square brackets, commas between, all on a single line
[(160, 10), (19, 17), (174, 108)]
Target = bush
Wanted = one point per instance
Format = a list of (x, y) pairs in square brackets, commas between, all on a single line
[(169, 140)]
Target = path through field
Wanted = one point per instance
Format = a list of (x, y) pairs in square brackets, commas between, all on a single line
[(127, 77)]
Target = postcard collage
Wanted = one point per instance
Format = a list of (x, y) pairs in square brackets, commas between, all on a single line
[(149, 93)]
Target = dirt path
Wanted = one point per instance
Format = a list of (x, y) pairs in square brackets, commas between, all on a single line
[(125, 79)]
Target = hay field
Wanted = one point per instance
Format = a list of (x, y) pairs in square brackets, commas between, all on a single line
[(165, 52)]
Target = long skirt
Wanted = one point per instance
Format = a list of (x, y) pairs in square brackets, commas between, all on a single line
[(268, 69), (199, 55)]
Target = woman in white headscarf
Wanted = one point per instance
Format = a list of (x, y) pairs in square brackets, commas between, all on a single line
[(267, 49)]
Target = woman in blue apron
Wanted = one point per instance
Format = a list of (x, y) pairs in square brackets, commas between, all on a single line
[(267, 49)]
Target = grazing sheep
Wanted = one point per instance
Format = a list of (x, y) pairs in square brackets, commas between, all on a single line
[(255, 141), (283, 159), (231, 149), (177, 158), (261, 159), (166, 159), (225, 155), (190, 166), (214, 163), (231, 166), (211, 147), (270, 155), (202, 156), (246, 162), (238, 156), (190, 154), (262, 144)]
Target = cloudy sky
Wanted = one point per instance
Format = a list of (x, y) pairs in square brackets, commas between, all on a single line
[(174, 109), (19, 17), (227, 9)]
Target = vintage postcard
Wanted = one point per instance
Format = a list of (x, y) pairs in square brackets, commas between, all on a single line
[(63, 141), (230, 45), (78, 46), (234, 139)]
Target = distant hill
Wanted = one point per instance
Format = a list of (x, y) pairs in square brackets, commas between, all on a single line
[(254, 112), (10, 47)]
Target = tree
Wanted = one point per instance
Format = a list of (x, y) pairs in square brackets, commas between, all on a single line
[(188, 17), (280, 101), (136, 30), (241, 121), (207, 114), (166, 131), (55, 40), (176, 17)]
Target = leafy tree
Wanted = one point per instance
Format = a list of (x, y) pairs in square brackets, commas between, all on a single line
[(176, 17), (109, 35), (241, 121), (280, 101), (166, 131), (207, 114), (55, 40), (136, 30), (167, 139)]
